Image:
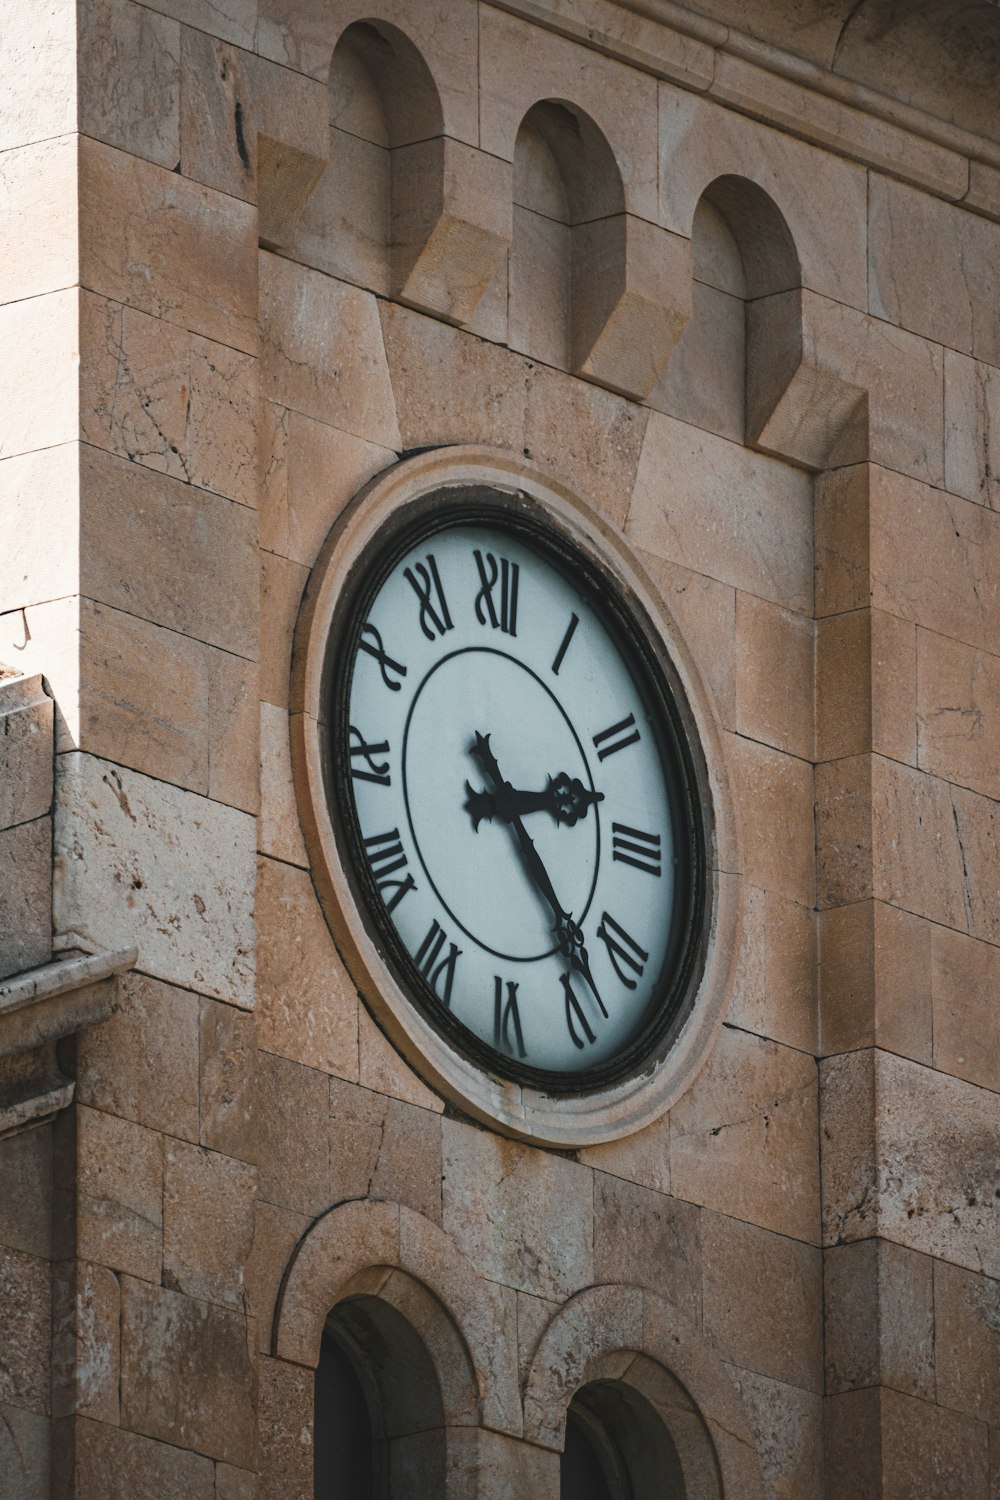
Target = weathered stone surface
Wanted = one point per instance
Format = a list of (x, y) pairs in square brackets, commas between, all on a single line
[(788, 1426), (25, 750), (879, 1318), (875, 980), (523, 1218), (384, 1148), (130, 78), (24, 1454), (774, 993), (965, 980), (142, 1064), (187, 1377), (704, 383), (294, 1165), (774, 795), (33, 569), (743, 1139), (645, 1239), (181, 868), (774, 676), (38, 201), (86, 1363), (226, 1080), (25, 896), (972, 429), (123, 1465), (286, 1410), (168, 399), (134, 215), (40, 372), (967, 1343), (278, 830), (958, 703), (208, 1223), (40, 93), (643, 1158), (235, 21), (26, 1192), (761, 543), (762, 1301), (281, 587), (382, 1069), (307, 1005), (322, 352), (120, 1194), (25, 1314), (277, 1231), (930, 1451), (705, 613)]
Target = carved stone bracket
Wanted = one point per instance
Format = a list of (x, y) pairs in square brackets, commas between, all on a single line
[(37, 1009)]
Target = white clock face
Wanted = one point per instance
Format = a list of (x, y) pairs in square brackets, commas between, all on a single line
[(513, 809)]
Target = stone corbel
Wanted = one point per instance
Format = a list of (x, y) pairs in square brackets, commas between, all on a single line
[(798, 405), (451, 225), (292, 124), (39, 1008), (631, 301)]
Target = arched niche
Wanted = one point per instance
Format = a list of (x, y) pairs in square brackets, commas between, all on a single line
[(622, 1357), (743, 255), (568, 195), (385, 116)]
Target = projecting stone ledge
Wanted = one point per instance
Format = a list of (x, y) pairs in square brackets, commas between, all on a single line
[(37, 1009)]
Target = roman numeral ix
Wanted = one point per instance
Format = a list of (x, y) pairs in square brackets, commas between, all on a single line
[(610, 741)]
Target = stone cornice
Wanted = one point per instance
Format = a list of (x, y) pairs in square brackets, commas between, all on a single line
[(780, 88)]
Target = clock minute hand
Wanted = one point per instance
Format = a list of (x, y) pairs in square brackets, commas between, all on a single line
[(564, 797)]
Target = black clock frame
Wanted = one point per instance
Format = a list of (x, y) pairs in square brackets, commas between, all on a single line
[(685, 774)]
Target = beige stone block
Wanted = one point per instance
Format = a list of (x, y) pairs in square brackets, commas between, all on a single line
[(930, 1451), (281, 587), (120, 1194), (311, 471), (294, 1164), (775, 801), (645, 1239), (909, 1154), (879, 1318), (643, 1158), (977, 836), (762, 1301), (235, 21), (322, 352), (38, 203), (46, 639), (524, 1218), (26, 1192), (894, 687), (142, 1064), (278, 830), (704, 381), (234, 1484), (844, 834), (167, 399), (38, 43), (383, 1148), (307, 1004), (226, 1080), (744, 1140), (229, 99), (134, 215), (775, 990), (631, 301), (381, 1069), (38, 381), (85, 1343), (130, 79), (25, 896), (958, 703), (935, 559), (521, 64), (120, 1465), (448, 384), (965, 981), (287, 1396), (933, 269), (187, 1377), (277, 1231), (967, 1343), (933, 850), (787, 1424), (26, 716), (208, 1223), (843, 685), (705, 613), (33, 569), (683, 510), (450, 225), (822, 196), (233, 726), (137, 524), (540, 287), (972, 429), (495, 1466), (875, 980), (774, 676), (25, 1448), (341, 226), (842, 541), (25, 1312), (181, 869)]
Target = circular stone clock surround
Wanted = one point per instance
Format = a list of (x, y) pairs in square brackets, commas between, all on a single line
[(544, 1111)]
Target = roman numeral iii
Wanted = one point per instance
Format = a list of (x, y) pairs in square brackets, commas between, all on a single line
[(630, 846), (611, 740)]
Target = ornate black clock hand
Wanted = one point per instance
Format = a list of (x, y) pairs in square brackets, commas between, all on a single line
[(564, 797), (569, 934)]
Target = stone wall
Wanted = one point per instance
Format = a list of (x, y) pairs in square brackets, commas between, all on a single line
[(768, 358)]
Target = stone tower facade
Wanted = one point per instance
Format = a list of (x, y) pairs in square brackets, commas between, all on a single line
[(730, 278)]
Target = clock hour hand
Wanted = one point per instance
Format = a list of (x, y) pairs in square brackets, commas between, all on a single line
[(564, 797), (569, 934)]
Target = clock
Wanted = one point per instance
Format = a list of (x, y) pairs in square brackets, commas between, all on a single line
[(512, 790)]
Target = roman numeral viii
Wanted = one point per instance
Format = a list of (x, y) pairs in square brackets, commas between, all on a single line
[(630, 846), (611, 740), (386, 856), (439, 975)]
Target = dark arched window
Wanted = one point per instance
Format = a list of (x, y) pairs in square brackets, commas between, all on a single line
[(346, 1456), (617, 1448)]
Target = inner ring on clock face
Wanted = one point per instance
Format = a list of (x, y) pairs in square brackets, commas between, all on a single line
[(477, 875)]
